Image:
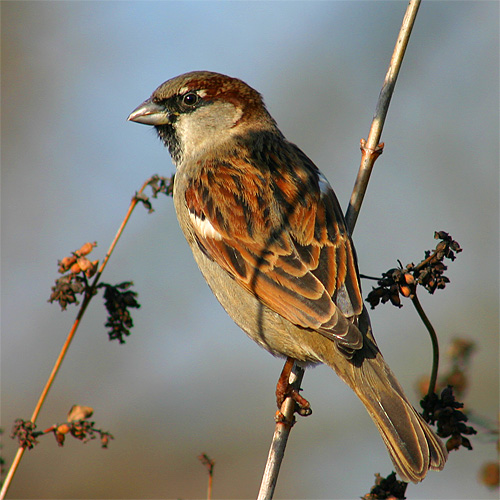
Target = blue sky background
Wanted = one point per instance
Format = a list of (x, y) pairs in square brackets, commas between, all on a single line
[(188, 381)]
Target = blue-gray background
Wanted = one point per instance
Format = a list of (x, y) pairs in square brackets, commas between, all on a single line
[(188, 381)]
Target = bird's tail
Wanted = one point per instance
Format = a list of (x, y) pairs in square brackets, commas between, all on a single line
[(412, 445)]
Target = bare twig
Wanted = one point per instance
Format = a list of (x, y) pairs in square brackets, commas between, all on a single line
[(435, 344), (209, 464), (89, 293), (278, 444), (371, 149)]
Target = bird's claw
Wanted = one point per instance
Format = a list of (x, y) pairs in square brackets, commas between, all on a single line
[(285, 390)]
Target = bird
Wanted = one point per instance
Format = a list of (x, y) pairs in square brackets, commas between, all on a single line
[(268, 234)]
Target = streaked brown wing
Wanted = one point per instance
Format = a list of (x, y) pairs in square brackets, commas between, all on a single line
[(280, 234)]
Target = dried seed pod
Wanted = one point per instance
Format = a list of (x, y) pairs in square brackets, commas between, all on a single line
[(60, 437), (66, 263), (410, 280), (78, 412), (454, 442), (86, 248), (92, 269), (63, 428), (84, 263), (75, 268)]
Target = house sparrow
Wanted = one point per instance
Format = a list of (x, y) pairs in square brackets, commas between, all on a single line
[(269, 236)]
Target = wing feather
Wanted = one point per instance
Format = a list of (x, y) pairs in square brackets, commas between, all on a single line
[(280, 233)]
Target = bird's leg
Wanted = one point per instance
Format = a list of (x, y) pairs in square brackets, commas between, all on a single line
[(285, 390)]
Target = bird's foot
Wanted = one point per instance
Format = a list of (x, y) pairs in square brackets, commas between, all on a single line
[(285, 390)]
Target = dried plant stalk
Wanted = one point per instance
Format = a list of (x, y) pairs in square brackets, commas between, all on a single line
[(371, 149), (57, 365)]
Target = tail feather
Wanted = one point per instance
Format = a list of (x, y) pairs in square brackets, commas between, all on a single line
[(412, 445)]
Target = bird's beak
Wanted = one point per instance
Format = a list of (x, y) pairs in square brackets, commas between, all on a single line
[(150, 113)]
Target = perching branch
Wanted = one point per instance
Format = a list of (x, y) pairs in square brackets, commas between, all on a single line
[(371, 149), (280, 438)]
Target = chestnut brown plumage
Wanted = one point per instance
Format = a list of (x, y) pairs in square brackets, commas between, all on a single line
[(268, 234)]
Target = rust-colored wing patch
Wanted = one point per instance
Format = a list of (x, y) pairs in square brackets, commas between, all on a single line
[(281, 235)]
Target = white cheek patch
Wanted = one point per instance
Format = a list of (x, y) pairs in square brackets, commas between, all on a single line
[(204, 227)]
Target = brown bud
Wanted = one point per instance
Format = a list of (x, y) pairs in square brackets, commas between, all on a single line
[(78, 412), (394, 298), (441, 246), (75, 268), (59, 438), (84, 263), (454, 442), (410, 280), (92, 269), (66, 263), (63, 429), (86, 249)]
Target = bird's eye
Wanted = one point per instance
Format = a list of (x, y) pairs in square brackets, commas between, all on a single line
[(190, 99)]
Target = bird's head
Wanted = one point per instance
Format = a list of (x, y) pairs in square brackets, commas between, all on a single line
[(201, 112)]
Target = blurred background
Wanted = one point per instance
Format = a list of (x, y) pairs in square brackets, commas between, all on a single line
[(188, 380)]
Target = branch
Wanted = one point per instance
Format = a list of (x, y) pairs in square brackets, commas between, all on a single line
[(280, 438), (209, 464), (370, 151), (435, 344), (89, 293)]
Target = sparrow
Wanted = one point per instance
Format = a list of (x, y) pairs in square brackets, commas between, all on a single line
[(269, 236)]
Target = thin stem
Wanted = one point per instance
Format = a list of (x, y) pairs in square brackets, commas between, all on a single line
[(435, 344), (370, 151), (61, 357), (280, 438), (366, 277), (370, 148), (12, 471), (209, 490), (209, 464), (89, 293)]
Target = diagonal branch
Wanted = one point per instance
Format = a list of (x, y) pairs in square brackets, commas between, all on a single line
[(370, 151), (89, 293), (371, 148)]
